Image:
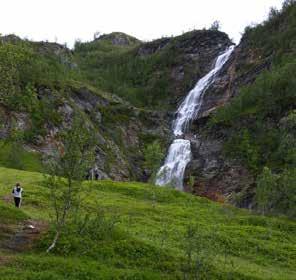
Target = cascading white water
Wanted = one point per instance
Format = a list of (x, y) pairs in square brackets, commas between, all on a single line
[(179, 154), (172, 172), (190, 107)]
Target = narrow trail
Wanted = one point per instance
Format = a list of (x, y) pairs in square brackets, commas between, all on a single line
[(17, 237), (25, 236)]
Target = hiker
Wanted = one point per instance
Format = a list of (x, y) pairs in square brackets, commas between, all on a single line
[(96, 173), (17, 195)]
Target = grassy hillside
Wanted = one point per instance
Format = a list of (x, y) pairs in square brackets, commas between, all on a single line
[(41, 88), (149, 75), (13, 155), (138, 231)]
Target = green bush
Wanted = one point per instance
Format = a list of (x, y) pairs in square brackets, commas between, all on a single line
[(153, 155), (276, 193), (13, 155)]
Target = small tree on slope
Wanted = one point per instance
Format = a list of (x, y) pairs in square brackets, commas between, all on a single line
[(153, 155), (66, 169)]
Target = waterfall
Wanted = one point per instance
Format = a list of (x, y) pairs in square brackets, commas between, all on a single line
[(179, 153), (172, 172)]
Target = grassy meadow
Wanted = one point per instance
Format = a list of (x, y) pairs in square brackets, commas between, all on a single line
[(139, 231)]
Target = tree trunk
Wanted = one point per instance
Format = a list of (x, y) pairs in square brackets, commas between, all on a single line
[(53, 244)]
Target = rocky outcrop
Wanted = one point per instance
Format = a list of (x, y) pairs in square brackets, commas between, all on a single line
[(215, 176), (200, 49), (245, 64), (119, 39), (12, 120), (153, 47), (119, 127)]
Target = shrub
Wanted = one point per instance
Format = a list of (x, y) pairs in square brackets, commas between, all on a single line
[(276, 193), (153, 155)]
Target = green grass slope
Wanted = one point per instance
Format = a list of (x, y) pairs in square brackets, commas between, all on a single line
[(138, 231)]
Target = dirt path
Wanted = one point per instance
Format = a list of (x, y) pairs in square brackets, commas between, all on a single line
[(24, 237), (16, 238)]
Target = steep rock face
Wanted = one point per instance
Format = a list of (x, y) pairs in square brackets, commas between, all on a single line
[(119, 128), (21, 121), (215, 175), (245, 64)]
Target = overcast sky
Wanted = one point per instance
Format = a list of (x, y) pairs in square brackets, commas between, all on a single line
[(67, 20)]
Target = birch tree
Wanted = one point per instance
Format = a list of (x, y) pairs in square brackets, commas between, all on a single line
[(66, 169)]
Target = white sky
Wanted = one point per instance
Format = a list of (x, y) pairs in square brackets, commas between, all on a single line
[(67, 20)]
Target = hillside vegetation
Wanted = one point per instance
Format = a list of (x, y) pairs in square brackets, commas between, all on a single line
[(42, 88), (260, 123), (138, 231), (149, 74)]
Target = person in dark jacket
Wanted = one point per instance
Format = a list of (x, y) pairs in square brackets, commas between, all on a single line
[(17, 192)]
